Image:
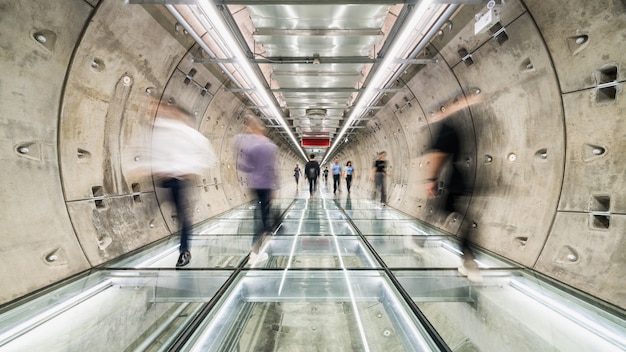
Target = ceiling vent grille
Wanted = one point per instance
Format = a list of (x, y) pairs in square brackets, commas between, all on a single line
[(316, 113)]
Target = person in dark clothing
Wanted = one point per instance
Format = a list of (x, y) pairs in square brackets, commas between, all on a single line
[(446, 151), (326, 175), (312, 171), (337, 173), (379, 171)]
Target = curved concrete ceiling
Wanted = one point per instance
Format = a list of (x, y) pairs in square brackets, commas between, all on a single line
[(544, 147)]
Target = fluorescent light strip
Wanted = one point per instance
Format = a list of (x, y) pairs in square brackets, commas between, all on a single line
[(346, 275), (455, 250), (159, 256), (293, 249), (198, 344), (420, 230), (581, 319), (202, 44), (410, 323), (209, 8), (370, 260), (22, 328), (380, 75)]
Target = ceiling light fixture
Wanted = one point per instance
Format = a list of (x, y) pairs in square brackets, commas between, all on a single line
[(244, 74), (404, 44)]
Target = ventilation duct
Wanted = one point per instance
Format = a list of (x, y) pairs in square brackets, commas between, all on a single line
[(315, 113)]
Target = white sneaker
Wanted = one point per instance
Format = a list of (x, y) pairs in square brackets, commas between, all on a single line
[(471, 271), (255, 259), (261, 258), (251, 258)]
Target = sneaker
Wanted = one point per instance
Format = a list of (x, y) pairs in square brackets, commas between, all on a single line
[(471, 271), (261, 258), (184, 258), (255, 259)]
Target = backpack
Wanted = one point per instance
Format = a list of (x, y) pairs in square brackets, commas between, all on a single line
[(311, 173)]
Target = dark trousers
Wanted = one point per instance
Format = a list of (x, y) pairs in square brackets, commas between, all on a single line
[(178, 189), (262, 214), (454, 204), (312, 185), (379, 183), (348, 182), (336, 180)]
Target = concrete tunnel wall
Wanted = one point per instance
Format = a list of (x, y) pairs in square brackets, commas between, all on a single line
[(545, 147)]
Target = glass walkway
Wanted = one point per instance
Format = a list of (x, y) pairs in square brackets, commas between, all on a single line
[(342, 275)]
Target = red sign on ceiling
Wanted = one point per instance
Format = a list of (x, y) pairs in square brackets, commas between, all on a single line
[(316, 142)]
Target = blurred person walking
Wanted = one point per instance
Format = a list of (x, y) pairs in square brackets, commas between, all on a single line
[(312, 171), (445, 154), (258, 158), (178, 153), (379, 171)]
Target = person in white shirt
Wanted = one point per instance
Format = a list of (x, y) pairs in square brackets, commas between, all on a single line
[(178, 153)]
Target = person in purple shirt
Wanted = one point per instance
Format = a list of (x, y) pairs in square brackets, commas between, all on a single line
[(258, 157)]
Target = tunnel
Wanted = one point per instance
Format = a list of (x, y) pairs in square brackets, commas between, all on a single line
[(534, 87)]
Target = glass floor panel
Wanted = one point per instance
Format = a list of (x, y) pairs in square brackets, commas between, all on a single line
[(354, 204), (429, 252), (325, 214), (396, 227), (225, 227), (110, 311), (512, 311), (311, 311), (318, 252), (377, 214), (208, 252), (315, 204), (376, 283), (315, 227)]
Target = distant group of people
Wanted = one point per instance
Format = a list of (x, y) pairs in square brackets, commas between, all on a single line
[(312, 173)]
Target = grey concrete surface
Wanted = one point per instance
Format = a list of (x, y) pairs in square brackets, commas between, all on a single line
[(75, 108)]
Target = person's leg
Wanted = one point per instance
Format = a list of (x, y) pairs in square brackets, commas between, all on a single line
[(311, 186), (335, 182), (259, 226), (265, 198), (380, 185), (178, 188), (348, 182), (263, 221), (469, 268), (383, 191)]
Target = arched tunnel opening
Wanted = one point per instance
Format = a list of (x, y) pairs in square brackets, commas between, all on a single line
[(534, 90)]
